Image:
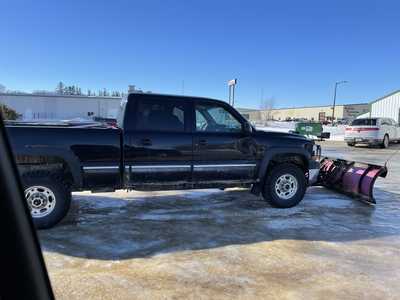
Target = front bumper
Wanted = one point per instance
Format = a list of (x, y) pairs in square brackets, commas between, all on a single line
[(314, 165), (313, 171)]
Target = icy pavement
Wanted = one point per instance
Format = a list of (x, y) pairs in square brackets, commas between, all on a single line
[(210, 244)]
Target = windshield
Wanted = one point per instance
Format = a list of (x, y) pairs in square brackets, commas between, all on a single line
[(364, 122)]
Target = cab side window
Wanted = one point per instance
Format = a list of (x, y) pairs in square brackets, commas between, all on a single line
[(215, 118), (156, 115)]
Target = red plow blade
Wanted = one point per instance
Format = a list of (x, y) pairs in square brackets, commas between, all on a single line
[(350, 178)]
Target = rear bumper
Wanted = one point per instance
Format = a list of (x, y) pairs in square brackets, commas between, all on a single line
[(370, 141)]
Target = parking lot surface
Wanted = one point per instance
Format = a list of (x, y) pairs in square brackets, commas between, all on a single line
[(212, 244)]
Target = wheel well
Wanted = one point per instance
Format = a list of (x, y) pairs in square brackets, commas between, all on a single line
[(53, 164), (296, 159)]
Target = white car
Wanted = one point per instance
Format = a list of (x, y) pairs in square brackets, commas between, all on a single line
[(372, 131)]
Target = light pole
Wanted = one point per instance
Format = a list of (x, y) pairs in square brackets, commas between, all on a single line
[(231, 85), (334, 98)]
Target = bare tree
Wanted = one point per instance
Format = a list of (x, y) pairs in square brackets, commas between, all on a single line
[(266, 107), (2, 88)]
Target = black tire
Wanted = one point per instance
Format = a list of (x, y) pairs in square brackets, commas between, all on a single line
[(55, 188), (385, 142), (271, 194), (351, 144)]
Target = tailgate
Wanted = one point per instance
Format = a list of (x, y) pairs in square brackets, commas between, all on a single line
[(362, 132)]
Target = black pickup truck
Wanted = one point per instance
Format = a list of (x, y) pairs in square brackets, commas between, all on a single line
[(161, 142)]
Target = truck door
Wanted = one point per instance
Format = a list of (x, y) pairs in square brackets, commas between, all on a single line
[(158, 149), (221, 149)]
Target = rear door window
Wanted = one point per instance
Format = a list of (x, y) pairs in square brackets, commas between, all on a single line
[(160, 115)]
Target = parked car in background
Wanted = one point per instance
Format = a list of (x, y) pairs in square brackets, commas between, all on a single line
[(372, 131)]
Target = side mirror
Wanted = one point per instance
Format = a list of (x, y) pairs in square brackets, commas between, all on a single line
[(247, 128)]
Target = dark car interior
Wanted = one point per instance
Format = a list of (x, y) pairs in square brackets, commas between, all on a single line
[(24, 274)]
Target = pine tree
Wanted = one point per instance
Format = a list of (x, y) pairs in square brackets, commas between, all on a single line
[(60, 89), (8, 113)]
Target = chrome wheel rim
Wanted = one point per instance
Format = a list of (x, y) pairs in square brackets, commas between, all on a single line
[(286, 186), (41, 201)]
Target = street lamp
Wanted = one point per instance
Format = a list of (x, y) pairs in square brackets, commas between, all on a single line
[(231, 85), (334, 98)]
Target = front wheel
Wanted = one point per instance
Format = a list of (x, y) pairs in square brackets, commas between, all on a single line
[(351, 144), (285, 185), (48, 198)]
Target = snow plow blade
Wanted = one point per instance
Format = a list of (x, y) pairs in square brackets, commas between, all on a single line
[(351, 178)]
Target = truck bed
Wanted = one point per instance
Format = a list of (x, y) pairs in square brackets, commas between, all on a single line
[(81, 147)]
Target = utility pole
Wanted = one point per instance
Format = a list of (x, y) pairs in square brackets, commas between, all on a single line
[(262, 96), (334, 98), (229, 94)]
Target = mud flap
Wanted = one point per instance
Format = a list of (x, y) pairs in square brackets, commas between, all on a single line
[(351, 178)]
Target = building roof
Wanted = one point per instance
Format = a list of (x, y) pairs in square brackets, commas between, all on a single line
[(383, 97), (317, 106), (245, 110), (58, 95)]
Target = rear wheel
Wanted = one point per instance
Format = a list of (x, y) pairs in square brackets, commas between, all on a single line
[(285, 185), (385, 142), (48, 198), (351, 144)]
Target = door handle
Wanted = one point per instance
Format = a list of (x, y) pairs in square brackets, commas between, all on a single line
[(202, 143), (146, 142)]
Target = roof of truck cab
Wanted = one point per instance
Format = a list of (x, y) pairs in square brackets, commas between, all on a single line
[(190, 98)]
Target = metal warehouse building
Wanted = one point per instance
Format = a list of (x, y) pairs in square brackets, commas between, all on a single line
[(312, 113), (59, 107), (387, 106)]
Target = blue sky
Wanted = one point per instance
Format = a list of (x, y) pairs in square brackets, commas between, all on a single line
[(293, 51)]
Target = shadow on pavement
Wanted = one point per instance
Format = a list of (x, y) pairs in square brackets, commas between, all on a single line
[(109, 228)]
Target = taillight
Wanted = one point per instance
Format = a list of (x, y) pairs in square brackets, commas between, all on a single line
[(363, 129), (370, 129)]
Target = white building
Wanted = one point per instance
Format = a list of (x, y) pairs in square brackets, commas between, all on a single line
[(387, 106), (60, 107)]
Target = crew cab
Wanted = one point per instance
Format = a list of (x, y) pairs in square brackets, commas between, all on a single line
[(372, 131), (161, 142)]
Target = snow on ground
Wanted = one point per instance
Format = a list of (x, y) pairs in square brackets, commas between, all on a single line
[(337, 132), (212, 244)]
